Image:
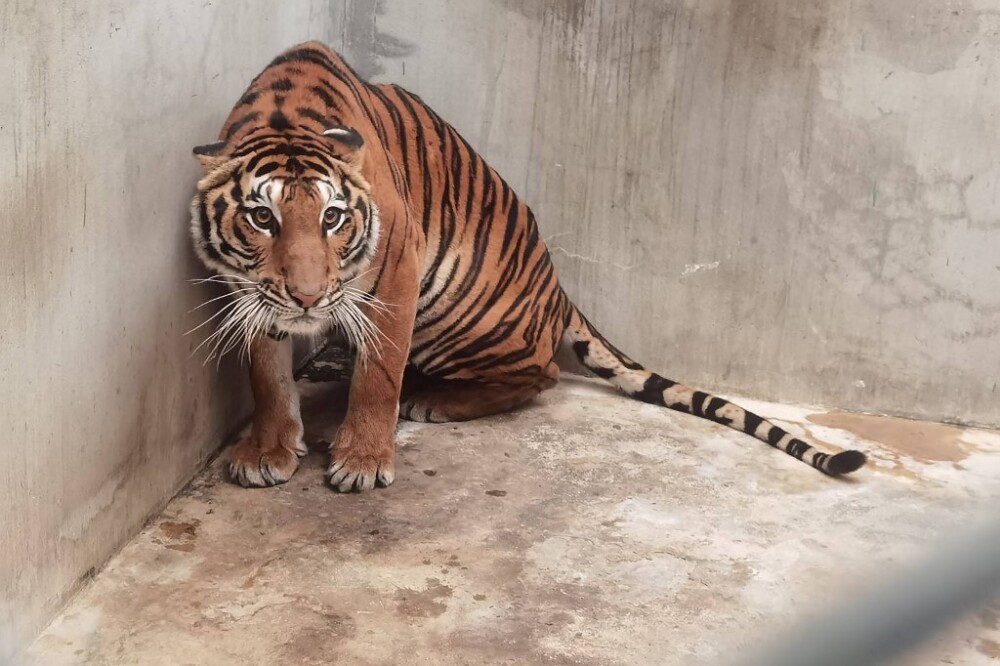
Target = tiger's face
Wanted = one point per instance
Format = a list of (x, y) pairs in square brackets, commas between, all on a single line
[(288, 222)]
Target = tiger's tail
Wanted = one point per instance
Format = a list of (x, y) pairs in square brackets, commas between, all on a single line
[(607, 362)]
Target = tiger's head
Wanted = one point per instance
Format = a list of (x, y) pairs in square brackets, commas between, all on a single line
[(286, 219)]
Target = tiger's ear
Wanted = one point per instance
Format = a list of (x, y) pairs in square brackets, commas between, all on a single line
[(211, 156), (348, 142)]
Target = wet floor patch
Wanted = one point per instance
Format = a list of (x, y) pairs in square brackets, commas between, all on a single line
[(921, 440)]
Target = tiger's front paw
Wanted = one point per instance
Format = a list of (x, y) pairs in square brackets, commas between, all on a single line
[(259, 461), (360, 459)]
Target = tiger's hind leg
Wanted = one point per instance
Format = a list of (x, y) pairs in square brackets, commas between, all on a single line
[(442, 401)]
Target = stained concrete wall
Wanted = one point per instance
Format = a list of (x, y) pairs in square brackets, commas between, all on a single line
[(793, 200), (103, 412)]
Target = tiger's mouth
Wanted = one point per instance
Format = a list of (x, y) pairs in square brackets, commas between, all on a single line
[(308, 322), (253, 311), (342, 311)]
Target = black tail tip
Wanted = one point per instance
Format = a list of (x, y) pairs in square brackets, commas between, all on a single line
[(845, 462)]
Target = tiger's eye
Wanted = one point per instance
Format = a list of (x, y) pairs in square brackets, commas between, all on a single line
[(263, 216), (333, 218)]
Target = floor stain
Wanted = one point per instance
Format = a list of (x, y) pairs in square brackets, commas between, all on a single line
[(428, 602), (989, 648), (928, 442), (176, 530)]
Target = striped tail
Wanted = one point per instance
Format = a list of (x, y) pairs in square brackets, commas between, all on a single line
[(607, 362)]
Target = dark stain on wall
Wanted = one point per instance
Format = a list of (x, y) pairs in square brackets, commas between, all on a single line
[(571, 13), (365, 45)]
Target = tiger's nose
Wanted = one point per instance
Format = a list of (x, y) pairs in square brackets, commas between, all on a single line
[(306, 296)]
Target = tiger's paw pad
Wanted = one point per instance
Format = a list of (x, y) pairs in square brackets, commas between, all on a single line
[(349, 472), (251, 467)]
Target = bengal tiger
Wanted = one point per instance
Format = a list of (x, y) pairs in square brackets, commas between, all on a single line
[(332, 203)]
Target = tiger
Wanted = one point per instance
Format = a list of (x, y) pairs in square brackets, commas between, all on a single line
[(330, 204)]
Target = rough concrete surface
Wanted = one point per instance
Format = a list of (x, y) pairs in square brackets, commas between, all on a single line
[(584, 529)]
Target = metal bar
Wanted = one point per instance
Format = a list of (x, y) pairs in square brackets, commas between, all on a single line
[(901, 614)]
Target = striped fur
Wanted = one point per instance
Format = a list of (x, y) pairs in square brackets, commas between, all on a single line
[(607, 362), (489, 311)]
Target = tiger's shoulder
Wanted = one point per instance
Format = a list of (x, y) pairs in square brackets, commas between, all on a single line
[(307, 84)]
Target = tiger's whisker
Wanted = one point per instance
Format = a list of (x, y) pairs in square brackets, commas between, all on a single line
[(260, 324), (368, 323), (229, 321), (222, 277), (360, 275), (365, 297), (221, 311), (236, 333), (219, 298)]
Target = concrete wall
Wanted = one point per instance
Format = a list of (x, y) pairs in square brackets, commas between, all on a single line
[(792, 200), (103, 413)]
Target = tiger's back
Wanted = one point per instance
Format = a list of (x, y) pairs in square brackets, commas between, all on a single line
[(490, 304)]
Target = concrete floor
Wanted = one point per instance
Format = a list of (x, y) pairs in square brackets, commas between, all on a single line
[(584, 529)]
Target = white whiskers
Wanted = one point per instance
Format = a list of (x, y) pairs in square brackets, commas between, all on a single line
[(222, 279), (366, 298), (242, 321), (219, 298), (361, 332), (250, 314)]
